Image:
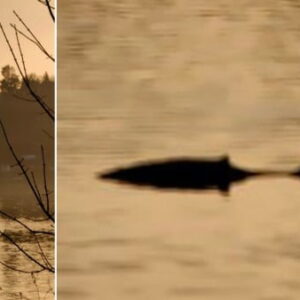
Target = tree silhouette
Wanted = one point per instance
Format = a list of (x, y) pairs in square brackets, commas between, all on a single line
[(10, 82)]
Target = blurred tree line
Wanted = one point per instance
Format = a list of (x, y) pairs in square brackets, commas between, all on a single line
[(11, 83), (25, 120)]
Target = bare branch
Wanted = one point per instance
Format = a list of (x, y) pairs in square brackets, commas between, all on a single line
[(48, 134), (42, 254), (38, 44), (6, 215), (11, 50), (45, 178), (43, 232), (20, 51), (30, 183), (16, 165), (19, 270), (26, 36), (36, 286), (35, 186), (25, 253), (37, 41), (16, 220), (38, 99), (50, 10), (43, 2)]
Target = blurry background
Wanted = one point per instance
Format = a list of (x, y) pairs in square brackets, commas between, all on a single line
[(158, 79)]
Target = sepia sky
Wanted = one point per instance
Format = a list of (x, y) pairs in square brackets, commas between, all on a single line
[(37, 18)]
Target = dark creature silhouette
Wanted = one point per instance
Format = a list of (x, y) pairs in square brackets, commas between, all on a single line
[(188, 174), (296, 173)]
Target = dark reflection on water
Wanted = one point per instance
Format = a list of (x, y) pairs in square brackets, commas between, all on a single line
[(191, 291), (73, 293), (115, 266), (169, 79), (104, 242)]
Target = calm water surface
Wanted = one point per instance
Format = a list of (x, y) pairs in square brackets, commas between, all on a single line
[(17, 202), (24, 124), (17, 285), (158, 79)]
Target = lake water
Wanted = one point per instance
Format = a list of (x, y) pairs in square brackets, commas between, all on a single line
[(153, 79), (19, 285), (16, 200)]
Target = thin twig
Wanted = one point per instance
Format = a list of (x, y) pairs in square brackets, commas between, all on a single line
[(25, 253), (11, 50), (27, 81), (26, 36), (47, 293), (42, 254), (50, 10), (35, 186), (6, 215), (43, 232), (38, 99), (39, 199), (43, 2), (36, 286), (39, 44), (20, 51), (24, 172), (45, 178), (48, 134)]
